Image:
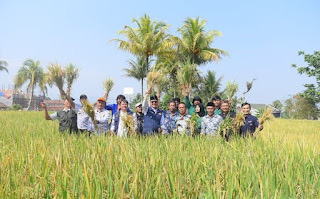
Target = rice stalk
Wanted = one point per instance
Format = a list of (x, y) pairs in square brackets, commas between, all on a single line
[(108, 85), (238, 121), (128, 123), (89, 109), (187, 76)]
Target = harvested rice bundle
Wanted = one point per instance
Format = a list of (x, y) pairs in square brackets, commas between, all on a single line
[(238, 121), (128, 123), (267, 115), (153, 78), (226, 127), (56, 76), (187, 76), (193, 124), (108, 85), (89, 109)]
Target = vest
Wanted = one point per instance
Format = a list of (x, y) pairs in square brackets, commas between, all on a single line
[(67, 121), (151, 122)]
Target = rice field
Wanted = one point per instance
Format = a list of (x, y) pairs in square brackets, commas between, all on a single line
[(36, 161)]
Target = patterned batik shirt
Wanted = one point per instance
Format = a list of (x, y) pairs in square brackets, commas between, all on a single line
[(168, 122), (210, 125)]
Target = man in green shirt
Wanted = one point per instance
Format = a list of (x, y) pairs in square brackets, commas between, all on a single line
[(216, 100)]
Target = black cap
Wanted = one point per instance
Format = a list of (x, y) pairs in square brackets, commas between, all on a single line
[(197, 98), (153, 97), (210, 104), (83, 96)]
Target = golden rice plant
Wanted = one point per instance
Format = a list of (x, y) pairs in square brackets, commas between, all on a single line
[(187, 76), (108, 85), (154, 77), (238, 121), (226, 126), (193, 124), (56, 76), (128, 123), (89, 109), (267, 115)]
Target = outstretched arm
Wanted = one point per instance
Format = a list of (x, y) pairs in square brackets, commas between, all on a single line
[(46, 114)]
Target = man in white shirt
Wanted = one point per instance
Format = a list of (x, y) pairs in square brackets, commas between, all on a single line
[(102, 116), (84, 122)]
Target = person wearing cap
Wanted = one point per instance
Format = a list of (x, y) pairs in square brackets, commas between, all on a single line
[(210, 122), (153, 114), (251, 123), (138, 118), (118, 125), (183, 120), (84, 122), (67, 117), (192, 107), (216, 100), (168, 122), (101, 116)]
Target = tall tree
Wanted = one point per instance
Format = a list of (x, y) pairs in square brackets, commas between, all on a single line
[(3, 66), (209, 86), (277, 104), (196, 44), (30, 71), (72, 74), (312, 91), (149, 38), (138, 70)]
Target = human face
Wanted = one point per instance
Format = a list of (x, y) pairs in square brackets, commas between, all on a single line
[(119, 100), (176, 103), (139, 109), (66, 104), (246, 109), (182, 109), (195, 102), (154, 104), (101, 104), (210, 110), (225, 107), (197, 109), (124, 106), (172, 107), (217, 103)]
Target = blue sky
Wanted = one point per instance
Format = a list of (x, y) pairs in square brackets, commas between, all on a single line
[(262, 37)]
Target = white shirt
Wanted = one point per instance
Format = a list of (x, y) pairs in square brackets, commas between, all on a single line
[(103, 118), (84, 122), (122, 130)]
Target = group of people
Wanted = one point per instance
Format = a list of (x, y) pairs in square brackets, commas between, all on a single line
[(148, 119)]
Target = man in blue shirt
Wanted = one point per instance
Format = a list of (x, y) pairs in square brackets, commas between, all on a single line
[(115, 107), (153, 114), (168, 118), (251, 123)]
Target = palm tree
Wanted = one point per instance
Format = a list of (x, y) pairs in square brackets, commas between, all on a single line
[(195, 43), (149, 38), (30, 71), (3, 66), (210, 86), (72, 74), (138, 70)]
